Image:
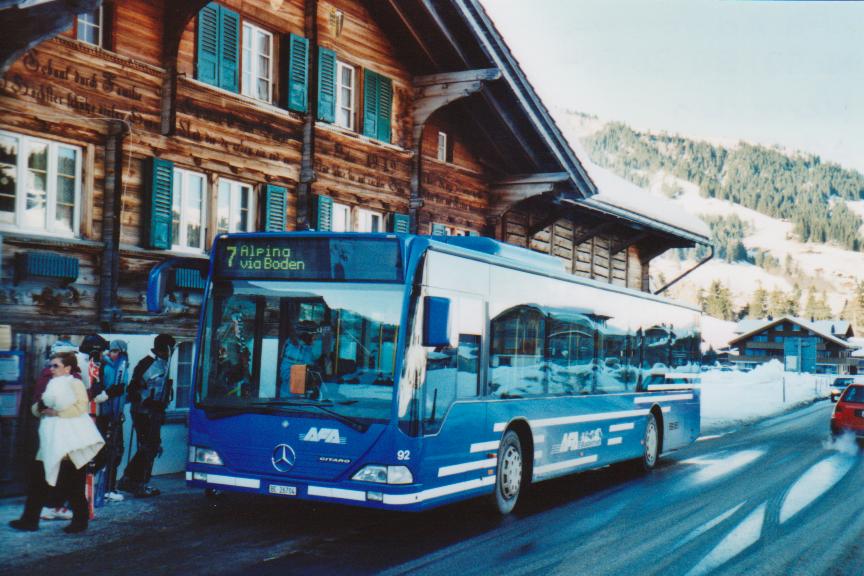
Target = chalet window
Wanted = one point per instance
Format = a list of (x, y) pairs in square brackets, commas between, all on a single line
[(257, 63), (218, 47), (235, 207), (337, 217), (91, 27), (368, 221), (188, 210), (439, 229), (341, 218), (40, 184), (345, 96), (377, 105), (444, 154)]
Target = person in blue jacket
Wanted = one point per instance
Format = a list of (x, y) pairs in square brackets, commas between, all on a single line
[(115, 377)]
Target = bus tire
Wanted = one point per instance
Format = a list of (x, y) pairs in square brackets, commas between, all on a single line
[(510, 473), (651, 445)]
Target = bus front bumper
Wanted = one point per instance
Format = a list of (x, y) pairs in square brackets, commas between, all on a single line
[(409, 497)]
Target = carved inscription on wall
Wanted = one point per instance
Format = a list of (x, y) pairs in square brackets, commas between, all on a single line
[(51, 81)]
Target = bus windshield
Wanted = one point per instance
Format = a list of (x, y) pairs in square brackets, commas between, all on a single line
[(285, 345)]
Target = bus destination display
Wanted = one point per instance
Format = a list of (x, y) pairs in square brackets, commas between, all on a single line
[(309, 259)]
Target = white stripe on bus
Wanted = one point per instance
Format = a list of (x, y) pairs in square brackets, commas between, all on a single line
[(661, 387), (232, 481), (339, 493), (398, 499), (622, 427), (666, 398), (539, 439), (467, 466), (561, 420), (538, 454), (586, 418), (482, 446), (566, 464), (614, 441)]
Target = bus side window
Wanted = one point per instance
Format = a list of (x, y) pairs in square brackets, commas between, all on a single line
[(517, 360), (451, 373), (468, 366)]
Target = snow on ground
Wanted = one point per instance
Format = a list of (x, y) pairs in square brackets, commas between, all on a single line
[(733, 398)]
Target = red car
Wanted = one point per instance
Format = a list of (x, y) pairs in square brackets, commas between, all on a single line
[(849, 412)]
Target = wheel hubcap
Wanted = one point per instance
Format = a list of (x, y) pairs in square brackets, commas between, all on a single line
[(651, 443), (511, 473)]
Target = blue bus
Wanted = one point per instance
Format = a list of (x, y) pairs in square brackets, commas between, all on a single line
[(405, 372)]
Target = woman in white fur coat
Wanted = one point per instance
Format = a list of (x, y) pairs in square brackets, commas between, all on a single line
[(68, 440)]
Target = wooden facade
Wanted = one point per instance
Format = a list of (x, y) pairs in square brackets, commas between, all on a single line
[(144, 94)]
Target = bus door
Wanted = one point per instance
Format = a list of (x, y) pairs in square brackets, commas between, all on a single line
[(453, 418)]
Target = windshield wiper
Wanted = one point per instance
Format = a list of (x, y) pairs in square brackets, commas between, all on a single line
[(323, 406)]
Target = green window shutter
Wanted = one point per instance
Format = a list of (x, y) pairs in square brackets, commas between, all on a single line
[(473, 233), (385, 107), (274, 218), (208, 45), (298, 73), (326, 85), (325, 214), (161, 196), (400, 223), (370, 104), (439, 229), (229, 49)]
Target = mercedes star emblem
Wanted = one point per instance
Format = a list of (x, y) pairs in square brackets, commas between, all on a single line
[(283, 458)]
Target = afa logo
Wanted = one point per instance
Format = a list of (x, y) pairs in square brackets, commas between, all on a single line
[(580, 441), (326, 435)]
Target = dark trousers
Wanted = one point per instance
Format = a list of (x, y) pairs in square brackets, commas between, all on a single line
[(148, 426), (70, 487), (111, 428)]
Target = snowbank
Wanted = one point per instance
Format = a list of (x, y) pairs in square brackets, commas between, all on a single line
[(732, 398)]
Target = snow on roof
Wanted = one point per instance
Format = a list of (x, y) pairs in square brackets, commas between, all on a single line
[(750, 326), (621, 197)]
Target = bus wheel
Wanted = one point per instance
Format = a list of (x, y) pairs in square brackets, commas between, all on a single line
[(508, 480), (652, 444)]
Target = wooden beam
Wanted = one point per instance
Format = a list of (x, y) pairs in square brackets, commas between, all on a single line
[(483, 74), (504, 197), (624, 244), (536, 178), (428, 52), (590, 233), (177, 15), (517, 133)]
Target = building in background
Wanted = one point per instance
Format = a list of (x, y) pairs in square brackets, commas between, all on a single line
[(819, 347)]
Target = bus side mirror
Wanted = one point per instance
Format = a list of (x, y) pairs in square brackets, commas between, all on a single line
[(436, 321)]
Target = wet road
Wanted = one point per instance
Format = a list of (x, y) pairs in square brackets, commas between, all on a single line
[(775, 498)]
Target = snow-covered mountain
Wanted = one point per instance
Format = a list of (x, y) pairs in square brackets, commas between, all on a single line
[(826, 267)]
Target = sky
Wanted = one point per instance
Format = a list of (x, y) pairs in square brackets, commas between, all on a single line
[(788, 73)]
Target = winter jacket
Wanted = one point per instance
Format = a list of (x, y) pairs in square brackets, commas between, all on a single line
[(115, 377), (150, 390)]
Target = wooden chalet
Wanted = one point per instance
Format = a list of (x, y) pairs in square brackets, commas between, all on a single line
[(133, 131), (819, 347)]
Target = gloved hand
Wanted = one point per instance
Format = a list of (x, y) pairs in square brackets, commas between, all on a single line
[(101, 397)]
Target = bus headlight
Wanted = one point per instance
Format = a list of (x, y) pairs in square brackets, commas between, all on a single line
[(384, 474), (204, 456)]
